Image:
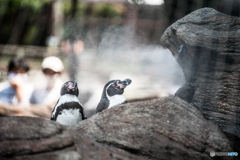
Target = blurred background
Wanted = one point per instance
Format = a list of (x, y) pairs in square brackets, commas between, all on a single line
[(98, 41)]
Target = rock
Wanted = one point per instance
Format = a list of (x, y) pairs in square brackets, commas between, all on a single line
[(165, 128), (206, 44), (31, 111), (35, 138)]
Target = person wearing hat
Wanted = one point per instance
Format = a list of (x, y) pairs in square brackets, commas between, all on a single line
[(48, 94)]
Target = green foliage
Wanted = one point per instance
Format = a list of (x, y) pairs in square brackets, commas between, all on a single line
[(108, 10), (81, 8), (21, 14), (67, 7), (104, 10), (32, 31), (34, 5)]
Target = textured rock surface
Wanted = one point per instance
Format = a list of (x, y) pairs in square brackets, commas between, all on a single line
[(165, 128), (206, 44), (37, 139)]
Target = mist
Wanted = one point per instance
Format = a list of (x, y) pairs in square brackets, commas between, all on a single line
[(153, 69)]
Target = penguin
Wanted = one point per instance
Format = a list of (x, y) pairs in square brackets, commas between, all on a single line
[(68, 110), (112, 94)]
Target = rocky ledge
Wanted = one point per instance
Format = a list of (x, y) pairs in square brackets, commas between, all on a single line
[(27, 138), (165, 128)]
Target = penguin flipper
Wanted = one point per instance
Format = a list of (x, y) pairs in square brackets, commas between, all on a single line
[(53, 116), (82, 112)]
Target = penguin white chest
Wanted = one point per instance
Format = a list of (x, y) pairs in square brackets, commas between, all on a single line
[(115, 100), (69, 117)]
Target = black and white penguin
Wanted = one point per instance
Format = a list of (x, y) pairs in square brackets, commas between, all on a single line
[(68, 110), (112, 94)]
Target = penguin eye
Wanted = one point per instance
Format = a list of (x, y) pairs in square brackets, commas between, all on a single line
[(116, 85)]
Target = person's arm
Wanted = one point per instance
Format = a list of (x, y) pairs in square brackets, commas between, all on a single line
[(17, 84)]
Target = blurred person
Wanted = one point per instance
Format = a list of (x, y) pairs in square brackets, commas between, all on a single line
[(72, 49), (16, 90), (48, 94)]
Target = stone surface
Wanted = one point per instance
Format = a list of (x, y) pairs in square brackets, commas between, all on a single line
[(165, 128), (29, 138), (206, 44), (19, 110)]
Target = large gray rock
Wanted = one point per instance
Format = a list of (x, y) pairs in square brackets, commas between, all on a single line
[(26, 138), (206, 44), (165, 128)]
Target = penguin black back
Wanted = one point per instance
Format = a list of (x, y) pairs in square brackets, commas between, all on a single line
[(112, 94)]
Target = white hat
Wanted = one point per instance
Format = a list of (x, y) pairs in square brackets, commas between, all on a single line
[(53, 63)]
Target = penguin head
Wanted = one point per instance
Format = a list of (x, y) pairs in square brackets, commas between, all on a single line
[(70, 87), (116, 87)]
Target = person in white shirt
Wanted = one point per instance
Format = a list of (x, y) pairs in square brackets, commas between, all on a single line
[(48, 94), (17, 90)]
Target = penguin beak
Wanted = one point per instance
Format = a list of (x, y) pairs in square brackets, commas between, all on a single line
[(124, 83)]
